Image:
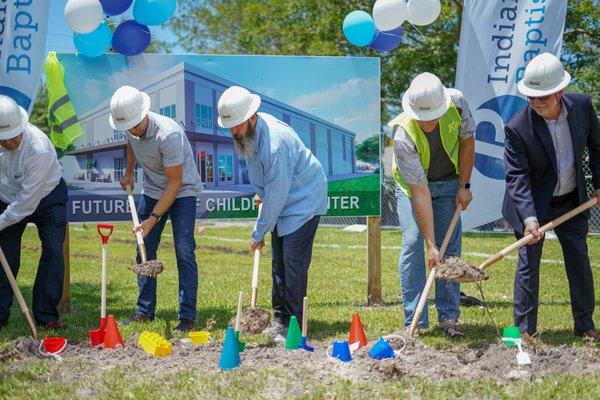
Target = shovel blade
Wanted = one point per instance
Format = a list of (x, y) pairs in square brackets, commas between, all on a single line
[(304, 345), (523, 358), (97, 335)]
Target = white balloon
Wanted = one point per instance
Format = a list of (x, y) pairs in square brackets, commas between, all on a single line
[(83, 16), (389, 14), (423, 12)]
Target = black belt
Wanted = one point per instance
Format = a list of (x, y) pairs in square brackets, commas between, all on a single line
[(561, 198)]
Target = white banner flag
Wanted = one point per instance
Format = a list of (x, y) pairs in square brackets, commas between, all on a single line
[(23, 25), (497, 41)]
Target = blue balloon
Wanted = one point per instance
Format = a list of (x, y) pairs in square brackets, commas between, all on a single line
[(115, 7), (95, 43), (359, 28), (131, 38), (153, 12), (388, 40)]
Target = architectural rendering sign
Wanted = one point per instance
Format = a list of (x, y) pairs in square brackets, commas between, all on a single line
[(331, 102)]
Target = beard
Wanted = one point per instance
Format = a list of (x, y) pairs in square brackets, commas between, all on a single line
[(245, 145)]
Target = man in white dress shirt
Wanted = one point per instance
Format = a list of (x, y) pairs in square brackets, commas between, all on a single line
[(32, 191)]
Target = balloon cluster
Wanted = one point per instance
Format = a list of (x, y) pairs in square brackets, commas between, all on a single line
[(93, 35), (383, 31)]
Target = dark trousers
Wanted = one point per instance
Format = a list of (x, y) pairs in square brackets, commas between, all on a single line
[(50, 218), (572, 236), (183, 217), (291, 258)]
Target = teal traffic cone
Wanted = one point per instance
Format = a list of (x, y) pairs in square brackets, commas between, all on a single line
[(230, 356), (294, 335), (241, 345)]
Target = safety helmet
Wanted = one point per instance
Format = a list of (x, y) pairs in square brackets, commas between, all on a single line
[(236, 105)]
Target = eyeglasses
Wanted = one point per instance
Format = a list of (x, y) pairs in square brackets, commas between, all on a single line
[(540, 98)]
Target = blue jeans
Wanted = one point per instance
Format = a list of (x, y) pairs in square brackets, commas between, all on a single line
[(412, 266), (183, 218), (291, 255)]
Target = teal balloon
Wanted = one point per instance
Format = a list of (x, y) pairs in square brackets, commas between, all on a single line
[(359, 28), (153, 12), (95, 43)]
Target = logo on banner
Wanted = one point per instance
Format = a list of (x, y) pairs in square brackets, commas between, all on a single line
[(504, 106), (21, 98)]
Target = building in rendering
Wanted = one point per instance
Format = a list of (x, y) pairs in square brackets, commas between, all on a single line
[(189, 95)]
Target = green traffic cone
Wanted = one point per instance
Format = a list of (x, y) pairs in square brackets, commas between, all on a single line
[(294, 335)]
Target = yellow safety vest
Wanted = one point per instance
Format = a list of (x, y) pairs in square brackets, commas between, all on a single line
[(62, 118), (449, 125)]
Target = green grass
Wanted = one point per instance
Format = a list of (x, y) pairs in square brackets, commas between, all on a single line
[(369, 183), (337, 288)]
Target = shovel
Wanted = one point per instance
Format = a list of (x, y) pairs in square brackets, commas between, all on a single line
[(146, 268), (529, 237), (18, 295), (522, 357), (97, 335), (431, 279), (238, 316), (304, 342), (255, 270)]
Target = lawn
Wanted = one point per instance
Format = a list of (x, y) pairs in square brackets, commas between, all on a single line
[(337, 288)]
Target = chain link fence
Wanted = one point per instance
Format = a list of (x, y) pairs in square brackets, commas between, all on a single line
[(389, 216)]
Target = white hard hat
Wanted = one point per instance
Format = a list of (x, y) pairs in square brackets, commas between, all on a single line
[(426, 99), (543, 76), (128, 107), (13, 118), (236, 105)]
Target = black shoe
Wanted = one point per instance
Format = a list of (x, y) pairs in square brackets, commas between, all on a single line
[(470, 301), (185, 325), (54, 325), (137, 317)]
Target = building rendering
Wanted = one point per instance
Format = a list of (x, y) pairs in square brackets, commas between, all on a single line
[(189, 95)]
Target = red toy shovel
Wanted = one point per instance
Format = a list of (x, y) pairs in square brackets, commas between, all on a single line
[(97, 335)]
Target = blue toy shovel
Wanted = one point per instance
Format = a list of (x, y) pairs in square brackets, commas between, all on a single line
[(304, 343)]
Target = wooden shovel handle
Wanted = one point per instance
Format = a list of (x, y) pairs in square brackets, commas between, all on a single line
[(305, 316), (529, 237), (134, 215), (238, 316), (17, 293), (433, 272), (255, 269)]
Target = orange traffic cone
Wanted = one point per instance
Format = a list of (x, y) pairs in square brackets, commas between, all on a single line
[(357, 338), (112, 338)]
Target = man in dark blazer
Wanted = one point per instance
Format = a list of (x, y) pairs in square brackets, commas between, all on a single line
[(544, 151)]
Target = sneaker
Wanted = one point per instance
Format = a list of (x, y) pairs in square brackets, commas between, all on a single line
[(280, 338), (137, 317), (276, 328), (451, 329), (54, 325), (185, 325)]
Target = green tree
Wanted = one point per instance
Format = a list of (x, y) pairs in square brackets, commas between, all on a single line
[(313, 27), (368, 150), (39, 112)]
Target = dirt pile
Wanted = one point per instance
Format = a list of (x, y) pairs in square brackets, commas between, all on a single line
[(253, 320), (455, 269)]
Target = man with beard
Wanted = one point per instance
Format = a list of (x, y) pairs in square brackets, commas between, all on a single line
[(291, 183), (545, 146)]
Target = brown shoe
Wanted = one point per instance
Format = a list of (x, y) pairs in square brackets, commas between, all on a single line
[(55, 325), (592, 335), (137, 317)]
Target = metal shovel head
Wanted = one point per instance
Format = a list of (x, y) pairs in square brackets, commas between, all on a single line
[(97, 335)]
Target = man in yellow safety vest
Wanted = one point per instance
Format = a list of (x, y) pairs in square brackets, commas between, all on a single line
[(434, 149)]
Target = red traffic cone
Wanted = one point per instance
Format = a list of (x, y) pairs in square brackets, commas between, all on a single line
[(357, 338), (112, 337)]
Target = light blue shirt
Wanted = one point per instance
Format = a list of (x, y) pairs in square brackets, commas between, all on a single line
[(287, 177)]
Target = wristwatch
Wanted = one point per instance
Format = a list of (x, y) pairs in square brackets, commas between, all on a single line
[(156, 216), (467, 185)]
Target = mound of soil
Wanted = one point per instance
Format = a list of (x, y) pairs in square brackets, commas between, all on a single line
[(253, 320), (150, 268), (486, 360), (455, 269)]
